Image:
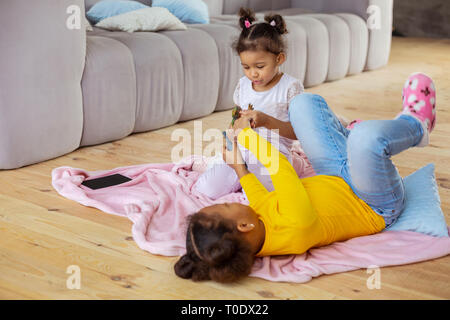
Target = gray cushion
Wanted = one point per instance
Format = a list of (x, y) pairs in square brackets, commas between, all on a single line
[(318, 49), (379, 42), (186, 75), (230, 68), (287, 11), (380, 39), (339, 45), (200, 79), (41, 67), (296, 40), (232, 6), (159, 78), (214, 7), (359, 42), (109, 91)]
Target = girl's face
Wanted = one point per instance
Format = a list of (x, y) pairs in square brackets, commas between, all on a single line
[(261, 67)]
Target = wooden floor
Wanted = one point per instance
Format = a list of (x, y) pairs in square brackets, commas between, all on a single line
[(42, 233)]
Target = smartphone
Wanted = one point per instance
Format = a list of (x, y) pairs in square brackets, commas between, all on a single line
[(229, 143), (104, 182)]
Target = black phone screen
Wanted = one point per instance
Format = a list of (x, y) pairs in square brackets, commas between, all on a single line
[(105, 182)]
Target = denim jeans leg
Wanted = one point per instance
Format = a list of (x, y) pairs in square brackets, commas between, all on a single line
[(321, 135), (373, 175)]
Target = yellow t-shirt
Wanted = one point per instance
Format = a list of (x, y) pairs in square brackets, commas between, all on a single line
[(302, 213)]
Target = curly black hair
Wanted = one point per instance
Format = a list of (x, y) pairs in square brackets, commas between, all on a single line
[(267, 36), (215, 250)]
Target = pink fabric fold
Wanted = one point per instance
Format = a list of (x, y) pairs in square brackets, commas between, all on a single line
[(160, 198)]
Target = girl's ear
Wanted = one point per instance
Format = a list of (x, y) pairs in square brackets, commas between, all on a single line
[(245, 226), (281, 58)]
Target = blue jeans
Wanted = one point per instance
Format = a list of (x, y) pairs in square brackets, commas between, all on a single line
[(360, 156)]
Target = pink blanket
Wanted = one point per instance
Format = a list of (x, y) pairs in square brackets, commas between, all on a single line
[(160, 197)]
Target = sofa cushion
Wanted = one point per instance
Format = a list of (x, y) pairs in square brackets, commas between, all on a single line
[(359, 42), (232, 6), (188, 11), (297, 56), (339, 44), (147, 19), (109, 8), (317, 48), (215, 7), (286, 12), (41, 67), (230, 69), (109, 91), (200, 70), (158, 66)]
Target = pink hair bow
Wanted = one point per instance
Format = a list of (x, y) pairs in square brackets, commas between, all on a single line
[(247, 23)]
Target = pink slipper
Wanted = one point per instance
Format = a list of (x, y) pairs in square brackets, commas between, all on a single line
[(352, 124), (419, 99)]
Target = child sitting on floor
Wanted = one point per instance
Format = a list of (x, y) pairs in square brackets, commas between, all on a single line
[(262, 51)]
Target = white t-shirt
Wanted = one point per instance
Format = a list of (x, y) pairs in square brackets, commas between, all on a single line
[(274, 102)]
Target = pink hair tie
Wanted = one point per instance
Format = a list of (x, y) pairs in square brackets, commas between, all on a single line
[(247, 23), (273, 23)]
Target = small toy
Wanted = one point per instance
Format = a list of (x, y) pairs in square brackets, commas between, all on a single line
[(229, 143), (235, 113)]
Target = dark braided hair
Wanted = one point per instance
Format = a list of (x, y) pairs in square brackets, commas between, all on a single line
[(261, 36), (214, 250)]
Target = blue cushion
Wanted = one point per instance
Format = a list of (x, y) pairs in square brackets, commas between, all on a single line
[(422, 211), (109, 8), (188, 11)]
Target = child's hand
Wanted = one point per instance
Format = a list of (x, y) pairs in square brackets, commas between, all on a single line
[(256, 118), (233, 158), (241, 123)]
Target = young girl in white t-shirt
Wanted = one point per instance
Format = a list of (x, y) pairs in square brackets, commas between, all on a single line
[(262, 51)]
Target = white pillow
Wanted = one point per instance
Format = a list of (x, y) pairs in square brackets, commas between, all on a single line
[(147, 19)]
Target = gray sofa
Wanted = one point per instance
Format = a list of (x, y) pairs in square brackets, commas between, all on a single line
[(63, 88)]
